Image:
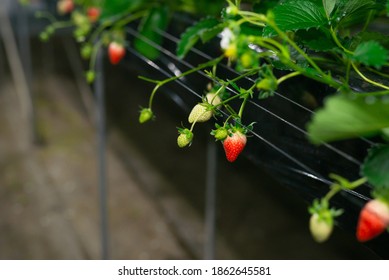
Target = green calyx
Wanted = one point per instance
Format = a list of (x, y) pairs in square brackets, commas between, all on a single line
[(326, 214), (382, 194), (220, 133), (268, 84), (239, 127)]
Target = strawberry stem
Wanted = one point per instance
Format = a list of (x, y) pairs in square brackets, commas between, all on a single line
[(343, 184), (95, 51), (153, 94), (284, 36), (288, 76), (116, 24), (163, 82), (46, 15), (131, 18), (367, 79), (246, 94)]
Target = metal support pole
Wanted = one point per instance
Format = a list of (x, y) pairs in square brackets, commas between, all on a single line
[(101, 146), (2, 61), (210, 201), (24, 41), (17, 70), (23, 32)]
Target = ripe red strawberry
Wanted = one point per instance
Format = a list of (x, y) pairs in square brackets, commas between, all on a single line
[(116, 52), (373, 220), (65, 6), (234, 144), (93, 14)]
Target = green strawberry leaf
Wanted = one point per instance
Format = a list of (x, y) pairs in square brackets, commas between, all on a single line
[(297, 14), (210, 33), (366, 36), (329, 6), (354, 11), (296, 57), (371, 53), (204, 29), (116, 7), (157, 19), (349, 116), (387, 8), (261, 7), (250, 30), (376, 166), (351, 7), (201, 8), (317, 40)]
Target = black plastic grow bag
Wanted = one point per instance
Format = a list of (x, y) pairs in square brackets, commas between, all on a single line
[(279, 144)]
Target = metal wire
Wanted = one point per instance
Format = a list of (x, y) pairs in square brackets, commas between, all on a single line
[(206, 56), (185, 63), (303, 169)]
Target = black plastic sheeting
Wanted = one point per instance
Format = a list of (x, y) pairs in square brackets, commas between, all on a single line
[(279, 141)]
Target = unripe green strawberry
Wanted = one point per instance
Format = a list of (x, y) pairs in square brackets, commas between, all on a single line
[(267, 84), (145, 115), (321, 226), (200, 113), (44, 36), (86, 51), (248, 60), (185, 137), (213, 99), (50, 30), (220, 133), (79, 19), (322, 219), (90, 76), (232, 10)]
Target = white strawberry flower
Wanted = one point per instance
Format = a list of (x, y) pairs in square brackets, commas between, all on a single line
[(227, 38), (228, 43)]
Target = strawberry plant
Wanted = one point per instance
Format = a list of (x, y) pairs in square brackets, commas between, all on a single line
[(332, 42)]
